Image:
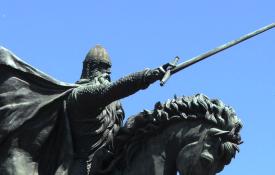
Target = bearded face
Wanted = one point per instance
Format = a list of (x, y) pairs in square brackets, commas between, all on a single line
[(100, 73), (101, 79), (101, 70)]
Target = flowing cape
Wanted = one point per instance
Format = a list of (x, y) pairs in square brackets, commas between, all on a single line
[(34, 130)]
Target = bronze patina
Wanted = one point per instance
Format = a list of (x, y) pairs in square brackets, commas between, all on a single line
[(48, 127)]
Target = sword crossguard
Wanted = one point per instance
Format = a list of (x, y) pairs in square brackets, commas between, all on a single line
[(167, 74)]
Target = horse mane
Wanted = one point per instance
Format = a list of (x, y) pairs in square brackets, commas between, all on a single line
[(185, 108), (197, 107)]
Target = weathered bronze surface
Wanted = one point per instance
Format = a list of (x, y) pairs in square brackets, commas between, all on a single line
[(50, 128)]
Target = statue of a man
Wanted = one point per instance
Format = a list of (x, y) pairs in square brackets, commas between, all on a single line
[(95, 114), (49, 127)]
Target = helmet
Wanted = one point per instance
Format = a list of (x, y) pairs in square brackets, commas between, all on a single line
[(96, 56)]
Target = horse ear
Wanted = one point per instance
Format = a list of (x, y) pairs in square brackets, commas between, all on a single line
[(217, 132)]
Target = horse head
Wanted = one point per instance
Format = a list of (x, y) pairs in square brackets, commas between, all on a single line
[(192, 135), (217, 143), (208, 155)]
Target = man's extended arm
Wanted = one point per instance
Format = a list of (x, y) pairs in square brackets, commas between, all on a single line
[(101, 95)]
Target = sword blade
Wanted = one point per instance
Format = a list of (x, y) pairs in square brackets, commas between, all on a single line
[(220, 48)]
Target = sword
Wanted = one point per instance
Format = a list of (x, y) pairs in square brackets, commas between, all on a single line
[(205, 55)]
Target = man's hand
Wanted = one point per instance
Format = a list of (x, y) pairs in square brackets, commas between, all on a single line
[(168, 66), (161, 73), (166, 70)]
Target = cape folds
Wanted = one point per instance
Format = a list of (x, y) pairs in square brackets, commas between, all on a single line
[(34, 130)]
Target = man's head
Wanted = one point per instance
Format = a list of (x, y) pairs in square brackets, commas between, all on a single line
[(97, 63)]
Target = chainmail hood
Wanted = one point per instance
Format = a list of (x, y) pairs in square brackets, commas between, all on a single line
[(94, 57)]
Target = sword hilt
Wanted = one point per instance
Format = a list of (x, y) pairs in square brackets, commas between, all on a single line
[(167, 74)]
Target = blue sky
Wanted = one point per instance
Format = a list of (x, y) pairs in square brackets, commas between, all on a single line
[(54, 36)]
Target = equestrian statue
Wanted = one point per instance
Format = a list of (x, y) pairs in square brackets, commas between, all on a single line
[(48, 127)]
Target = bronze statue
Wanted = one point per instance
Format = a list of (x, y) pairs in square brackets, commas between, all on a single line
[(50, 128), (94, 112)]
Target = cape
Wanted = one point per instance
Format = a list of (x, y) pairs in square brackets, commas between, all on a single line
[(35, 133)]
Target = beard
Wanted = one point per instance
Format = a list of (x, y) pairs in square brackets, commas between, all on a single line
[(101, 79)]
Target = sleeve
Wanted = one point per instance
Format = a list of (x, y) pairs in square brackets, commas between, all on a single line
[(101, 95)]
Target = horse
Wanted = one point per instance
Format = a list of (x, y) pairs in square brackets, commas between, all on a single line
[(188, 135)]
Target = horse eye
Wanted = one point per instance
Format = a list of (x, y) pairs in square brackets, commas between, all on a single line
[(207, 158)]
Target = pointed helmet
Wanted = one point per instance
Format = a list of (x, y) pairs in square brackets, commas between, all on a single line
[(96, 56)]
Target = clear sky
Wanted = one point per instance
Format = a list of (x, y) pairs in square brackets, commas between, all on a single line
[(54, 36)]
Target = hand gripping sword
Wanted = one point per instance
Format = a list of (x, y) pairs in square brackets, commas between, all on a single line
[(205, 55)]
